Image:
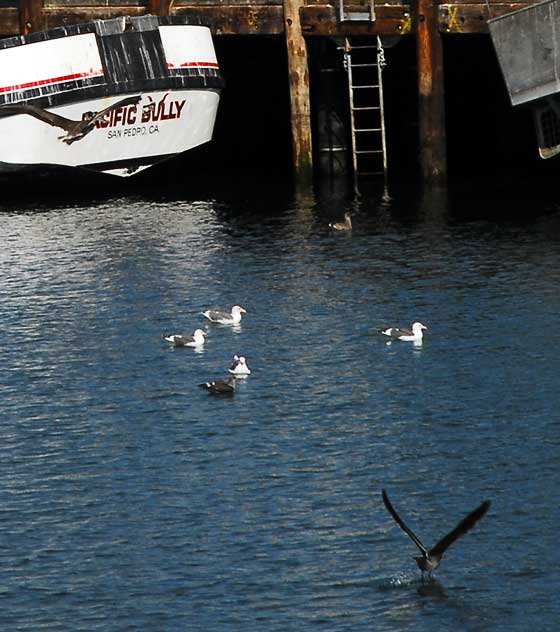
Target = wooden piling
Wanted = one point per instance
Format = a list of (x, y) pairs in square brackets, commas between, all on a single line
[(431, 94), (31, 16), (299, 91), (160, 7)]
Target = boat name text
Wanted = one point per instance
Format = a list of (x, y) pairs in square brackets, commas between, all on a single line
[(150, 112)]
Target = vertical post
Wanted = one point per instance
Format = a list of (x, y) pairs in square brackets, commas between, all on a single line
[(431, 109), (299, 91), (160, 7), (31, 16)]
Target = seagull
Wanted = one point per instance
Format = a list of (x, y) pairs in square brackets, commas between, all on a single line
[(220, 387), (345, 225), (414, 334), (196, 340), (75, 130), (430, 559), (223, 317), (239, 367)]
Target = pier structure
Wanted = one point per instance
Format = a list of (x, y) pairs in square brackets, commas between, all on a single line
[(299, 21)]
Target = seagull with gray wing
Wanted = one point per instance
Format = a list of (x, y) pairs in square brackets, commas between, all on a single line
[(431, 559), (75, 130)]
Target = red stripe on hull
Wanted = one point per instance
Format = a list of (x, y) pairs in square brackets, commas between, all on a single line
[(46, 82), (194, 64)]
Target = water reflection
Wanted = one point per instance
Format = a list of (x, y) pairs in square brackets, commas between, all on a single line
[(248, 502)]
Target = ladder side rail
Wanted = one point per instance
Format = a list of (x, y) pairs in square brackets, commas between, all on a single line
[(348, 64), (381, 63)]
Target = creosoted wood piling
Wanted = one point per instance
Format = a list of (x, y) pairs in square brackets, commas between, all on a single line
[(31, 16), (431, 95), (300, 107)]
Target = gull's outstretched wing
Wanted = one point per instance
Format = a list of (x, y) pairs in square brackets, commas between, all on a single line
[(466, 523), (402, 525), (39, 113), (119, 104)]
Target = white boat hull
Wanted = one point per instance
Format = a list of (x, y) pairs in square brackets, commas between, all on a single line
[(75, 72), (134, 137)]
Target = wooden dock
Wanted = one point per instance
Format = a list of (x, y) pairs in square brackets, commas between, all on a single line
[(297, 21)]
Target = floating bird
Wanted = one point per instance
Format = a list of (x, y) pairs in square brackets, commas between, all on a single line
[(75, 130), (220, 387), (430, 559), (196, 340), (345, 225), (414, 334), (239, 367), (223, 317)]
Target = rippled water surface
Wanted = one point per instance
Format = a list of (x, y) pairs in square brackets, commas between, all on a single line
[(131, 499)]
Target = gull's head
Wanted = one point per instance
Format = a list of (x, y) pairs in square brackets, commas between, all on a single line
[(418, 327), (237, 309), (199, 333)]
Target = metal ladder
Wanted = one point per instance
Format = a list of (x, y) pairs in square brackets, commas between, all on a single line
[(367, 117), (365, 12)]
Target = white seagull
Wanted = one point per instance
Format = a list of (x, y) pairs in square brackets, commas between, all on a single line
[(239, 367), (414, 334), (223, 317), (196, 340)]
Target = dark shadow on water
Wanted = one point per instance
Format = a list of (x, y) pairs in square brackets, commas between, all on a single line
[(264, 191)]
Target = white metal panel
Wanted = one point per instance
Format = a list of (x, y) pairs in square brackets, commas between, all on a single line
[(186, 46), (51, 61)]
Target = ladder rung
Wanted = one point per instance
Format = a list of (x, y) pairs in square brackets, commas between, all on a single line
[(368, 129), (357, 16), (369, 151), (361, 47), (363, 87), (370, 107), (363, 65)]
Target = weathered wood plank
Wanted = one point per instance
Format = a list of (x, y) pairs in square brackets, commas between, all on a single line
[(70, 4), (225, 3), (323, 20), (471, 18), (9, 22), (238, 20), (62, 17)]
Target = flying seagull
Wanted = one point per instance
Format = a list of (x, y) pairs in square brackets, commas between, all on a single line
[(196, 340), (414, 334), (223, 317), (75, 130), (345, 225), (430, 559)]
